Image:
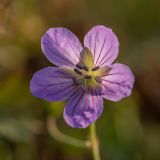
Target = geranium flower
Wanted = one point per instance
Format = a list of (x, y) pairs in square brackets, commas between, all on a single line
[(84, 74)]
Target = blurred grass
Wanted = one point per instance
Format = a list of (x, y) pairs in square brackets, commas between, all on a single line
[(129, 129)]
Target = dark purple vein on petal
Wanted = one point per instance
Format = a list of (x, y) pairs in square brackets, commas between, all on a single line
[(76, 91), (75, 106), (112, 82), (63, 72), (74, 95), (74, 51), (65, 59), (99, 98), (58, 46), (96, 95), (73, 47), (95, 44), (59, 77), (54, 84), (59, 59), (118, 83), (85, 101), (71, 90), (106, 61), (108, 88), (60, 90), (100, 51), (105, 55), (111, 74), (67, 92), (92, 94)]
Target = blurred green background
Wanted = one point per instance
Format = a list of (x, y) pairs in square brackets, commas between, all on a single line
[(129, 129)]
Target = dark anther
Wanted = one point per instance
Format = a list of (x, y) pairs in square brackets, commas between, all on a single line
[(78, 71), (80, 65), (98, 79), (86, 68), (95, 68), (87, 77)]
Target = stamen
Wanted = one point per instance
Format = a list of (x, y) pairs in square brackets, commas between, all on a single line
[(86, 68), (95, 68), (98, 79), (80, 65), (87, 77), (78, 71)]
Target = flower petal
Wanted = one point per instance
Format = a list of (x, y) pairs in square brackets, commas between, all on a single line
[(103, 44), (52, 84), (118, 83), (83, 109), (61, 47)]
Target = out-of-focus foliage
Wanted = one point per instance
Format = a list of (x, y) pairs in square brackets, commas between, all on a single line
[(129, 129)]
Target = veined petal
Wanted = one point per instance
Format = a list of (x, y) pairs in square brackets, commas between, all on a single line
[(83, 109), (118, 83), (52, 84), (61, 47), (103, 44)]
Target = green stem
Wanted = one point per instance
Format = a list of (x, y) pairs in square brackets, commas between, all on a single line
[(58, 135), (94, 142)]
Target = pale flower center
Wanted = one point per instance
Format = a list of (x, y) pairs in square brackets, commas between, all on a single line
[(85, 73), (88, 75)]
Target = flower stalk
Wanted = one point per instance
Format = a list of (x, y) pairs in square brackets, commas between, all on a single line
[(61, 137), (94, 142)]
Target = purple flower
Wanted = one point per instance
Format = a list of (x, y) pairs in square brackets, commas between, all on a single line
[(84, 75)]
